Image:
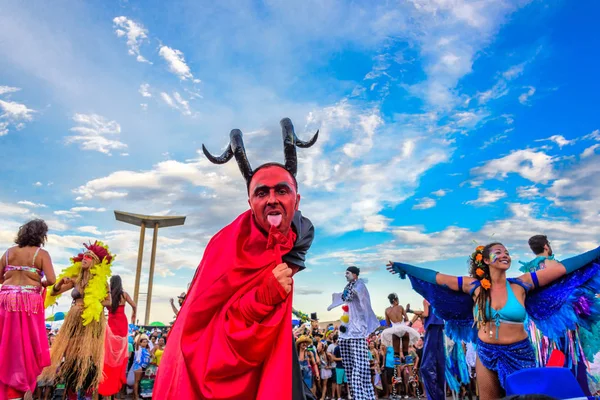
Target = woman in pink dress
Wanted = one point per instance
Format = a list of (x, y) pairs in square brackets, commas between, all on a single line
[(116, 356), (24, 349)]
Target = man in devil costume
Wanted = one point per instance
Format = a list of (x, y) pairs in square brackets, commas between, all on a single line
[(232, 338)]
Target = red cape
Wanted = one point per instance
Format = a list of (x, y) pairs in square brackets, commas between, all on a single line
[(216, 349)]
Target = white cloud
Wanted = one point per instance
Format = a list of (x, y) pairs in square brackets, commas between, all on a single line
[(184, 105), (145, 90), (558, 139), (89, 229), (135, 33), (177, 102), (13, 113), (470, 119), (91, 132), (535, 166), (8, 89), (32, 204), (144, 106), (441, 192), (368, 124), (176, 62), (589, 151), (3, 128), (514, 71), (37, 184), (16, 111), (167, 99), (487, 197), (88, 209), (424, 204), (9, 209), (595, 135), (500, 89), (67, 213), (528, 192), (493, 140), (524, 97)]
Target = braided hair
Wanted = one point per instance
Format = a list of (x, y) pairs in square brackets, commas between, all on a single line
[(479, 270)]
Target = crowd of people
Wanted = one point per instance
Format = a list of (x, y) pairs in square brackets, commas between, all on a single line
[(231, 337), (95, 352), (323, 369)]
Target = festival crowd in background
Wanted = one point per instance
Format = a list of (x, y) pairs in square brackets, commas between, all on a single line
[(480, 335), (96, 352)]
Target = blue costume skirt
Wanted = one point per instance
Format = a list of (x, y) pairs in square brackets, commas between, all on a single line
[(505, 359)]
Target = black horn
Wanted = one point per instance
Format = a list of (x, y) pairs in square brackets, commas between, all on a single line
[(235, 148), (290, 141)]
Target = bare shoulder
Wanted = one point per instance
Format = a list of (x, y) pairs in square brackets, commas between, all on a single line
[(44, 253)]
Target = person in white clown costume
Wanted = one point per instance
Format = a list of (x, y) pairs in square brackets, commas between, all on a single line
[(358, 322)]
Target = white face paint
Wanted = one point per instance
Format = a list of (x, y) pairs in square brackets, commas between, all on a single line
[(349, 276)]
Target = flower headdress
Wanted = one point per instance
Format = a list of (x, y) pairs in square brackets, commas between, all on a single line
[(481, 270), (96, 289)]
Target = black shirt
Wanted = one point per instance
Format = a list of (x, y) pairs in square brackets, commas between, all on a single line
[(419, 354), (338, 354)]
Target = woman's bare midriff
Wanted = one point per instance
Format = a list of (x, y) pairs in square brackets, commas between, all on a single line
[(507, 333), (22, 278)]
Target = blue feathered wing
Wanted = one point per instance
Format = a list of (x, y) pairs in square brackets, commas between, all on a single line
[(566, 302), (455, 308)]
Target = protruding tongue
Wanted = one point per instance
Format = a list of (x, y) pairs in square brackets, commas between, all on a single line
[(274, 219)]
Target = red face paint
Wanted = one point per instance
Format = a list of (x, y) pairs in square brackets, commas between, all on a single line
[(273, 198)]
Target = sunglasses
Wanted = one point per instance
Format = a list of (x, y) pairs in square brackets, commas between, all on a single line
[(87, 257)]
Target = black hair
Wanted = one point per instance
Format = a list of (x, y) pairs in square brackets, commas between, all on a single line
[(116, 292), (537, 243), (33, 233), (269, 165), (392, 297)]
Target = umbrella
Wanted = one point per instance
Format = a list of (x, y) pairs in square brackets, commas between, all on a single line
[(156, 323), (59, 316)]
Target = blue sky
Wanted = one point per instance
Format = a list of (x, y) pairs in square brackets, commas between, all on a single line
[(442, 124)]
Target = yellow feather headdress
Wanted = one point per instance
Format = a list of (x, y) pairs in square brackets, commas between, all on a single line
[(96, 289)]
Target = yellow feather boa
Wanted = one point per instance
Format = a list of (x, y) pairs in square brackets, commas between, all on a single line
[(95, 292)]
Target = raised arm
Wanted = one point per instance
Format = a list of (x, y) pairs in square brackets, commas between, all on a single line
[(175, 310), (555, 270), (457, 283)]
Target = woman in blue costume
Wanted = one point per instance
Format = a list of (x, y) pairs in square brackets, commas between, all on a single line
[(500, 306)]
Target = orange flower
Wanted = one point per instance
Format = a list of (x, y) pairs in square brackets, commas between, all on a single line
[(479, 257), (479, 272), (479, 248), (485, 284)]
